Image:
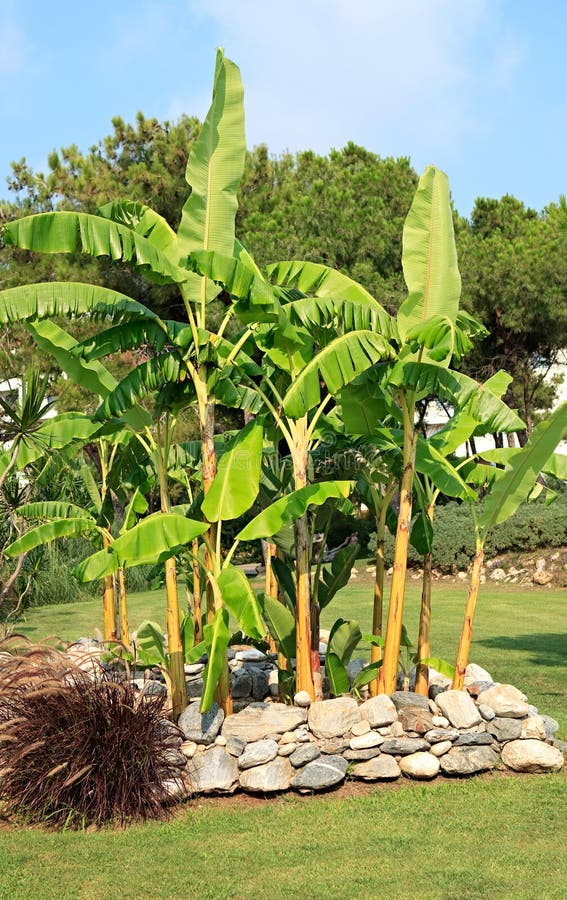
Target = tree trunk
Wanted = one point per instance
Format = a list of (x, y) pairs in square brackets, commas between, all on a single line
[(304, 656), (378, 605), (174, 645), (124, 630), (466, 633), (527, 402), (197, 619), (270, 584), (388, 672), (108, 601), (424, 635)]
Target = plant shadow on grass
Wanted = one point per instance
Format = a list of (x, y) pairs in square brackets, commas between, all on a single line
[(545, 649)]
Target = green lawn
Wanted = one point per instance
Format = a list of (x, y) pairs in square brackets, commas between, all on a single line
[(488, 837)]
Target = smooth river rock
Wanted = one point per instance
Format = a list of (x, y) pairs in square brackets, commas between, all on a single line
[(273, 776), (402, 699), (504, 729), (415, 719), (323, 773), (257, 753), (468, 760), (379, 711), (333, 718), (459, 708), (421, 766), (258, 720), (202, 728), (532, 756), (210, 771), (381, 768), (506, 701), (303, 755), (364, 741), (403, 746)]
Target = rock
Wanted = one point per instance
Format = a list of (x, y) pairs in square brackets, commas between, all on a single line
[(332, 718), (251, 655), (354, 667), (381, 768), (360, 728), (468, 760), (551, 726), (302, 736), (194, 668), (476, 673), (174, 789), (365, 741), (421, 766), (202, 728), (436, 689), (260, 687), (459, 708), (333, 746), (533, 727), (440, 722), (288, 737), (148, 687), (475, 688), (397, 729), (194, 688), (257, 753), (504, 729), (486, 712), (441, 734), (540, 576), (402, 699), (474, 739), (286, 749), (561, 745), (189, 748), (258, 720), (175, 757), (441, 748), (235, 746), (303, 755), (532, 756), (320, 774), (240, 684), (498, 575), (506, 701), (379, 711), (358, 755), (403, 746), (220, 741), (273, 776), (213, 770), (303, 699), (415, 719)]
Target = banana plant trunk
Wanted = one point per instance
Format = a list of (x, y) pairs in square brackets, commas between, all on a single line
[(108, 601), (270, 583), (378, 605), (388, 672), (308, 669), (466, 633), (424, 634), (124, 629), (197, 617)]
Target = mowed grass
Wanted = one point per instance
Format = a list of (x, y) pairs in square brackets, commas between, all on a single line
[(520, 633), (493, 836)]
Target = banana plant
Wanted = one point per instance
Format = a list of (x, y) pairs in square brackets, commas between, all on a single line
[(508, 489)]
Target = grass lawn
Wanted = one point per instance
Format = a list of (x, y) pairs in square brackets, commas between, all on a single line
[(488, 837)]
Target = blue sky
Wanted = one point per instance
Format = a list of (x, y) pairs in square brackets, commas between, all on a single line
[(477, 87)]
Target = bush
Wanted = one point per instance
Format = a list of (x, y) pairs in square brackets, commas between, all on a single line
[(534, 525), (78, 748)]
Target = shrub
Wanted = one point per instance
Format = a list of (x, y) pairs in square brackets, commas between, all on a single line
[(79, 748)]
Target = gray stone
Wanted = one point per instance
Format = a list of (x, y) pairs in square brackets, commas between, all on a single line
[(561, 745), (273, 776), (258, 720), (415, 719), (468, 760), (194, 668), (532, 756), (459, 708), (402, 699), (303, 755), (149, 687), (551, 726), (438, 688), (506, 701), (332, 718), (441, 734), (504, 729), (235, 746), (332, 746), (213, 770), (240, 684), (474, 739), (381, 768), (260, 687), (486, 712), (379, 711), (258, 753), (175, 757), (201, 727), (365, 741), (251, 655), (421, 766), (403, 746), (354, 667), (322, 773), (474, 688), (194, 688), (357, 755)]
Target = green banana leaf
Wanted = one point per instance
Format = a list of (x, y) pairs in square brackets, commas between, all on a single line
[(58, 433), (344, 637), (74, 232), (237, 482), (150, 645), (144, 221), (340, 362), (291, 507), (153, 540), (256, 299), (281, 624), (429, 256), (52, 509), (62, 298), (240, 600), (336, 576), (214, 171), (145, 379), (514, 486), (216, 636), (333, 294), (429, 461), (50, 531)]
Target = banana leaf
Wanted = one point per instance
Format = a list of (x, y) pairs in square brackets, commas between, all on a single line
[(291, 507), (237, 482)]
